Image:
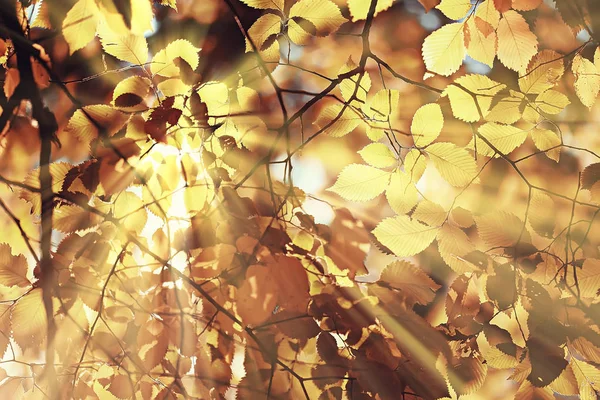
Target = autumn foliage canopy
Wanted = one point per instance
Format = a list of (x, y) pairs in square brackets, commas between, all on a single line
[(299, 199)]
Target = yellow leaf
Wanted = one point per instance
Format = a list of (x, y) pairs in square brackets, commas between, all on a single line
[(467, 104), (454, 245), (587, 80), (169, 3), (141, 16), (360, 8), (13, 269), (348, 86), (482, 46), (427, 124), (173, 87), (58, 171), (216, 96), (121, 386), (547, 141), (79, 25), (500, 228), (508, 109), (360, 182), (526, 5), (566, 383), (257, 296), (552, 102), (505, 138), (247, 98), (129, 47), (529, 392), (130, 94), (488, 13), (382, 104), (323, 15), (337, 123), (587, 376), (130, 210), (401, 194), (195, 197), (304, 240), (378, 155), (444, 49), (542, 215), (454, 163), (41, 16), (430, 213), (106, 118), (516, 43), (163, 62), (543, 72), (404, 236), (415, 164), (28, 319), (454, 9), (265, 4), (588, 279), (462, 217), (379, 110), (411, 282), (262, 30), (72, 218)]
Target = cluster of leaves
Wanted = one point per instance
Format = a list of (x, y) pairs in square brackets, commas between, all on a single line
[(181, 266)]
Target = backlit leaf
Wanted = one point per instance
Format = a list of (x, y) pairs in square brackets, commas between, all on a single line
[(547, 141), (13, 269), (163, 62), (130, 47), (79, 25), (427, 124), (454, 164), (543, 72), (265, 4), (473, 98), (587, 80), (359, 8), (378, 155), (444, 49), (28, 320), (415, 164), (410, 281), (588, 279), (516, 44), (323, 15), (542, 214), (430, 213), (504, 138), (130, 94), (402, 195), (454, 246), (337, 123), (454, 9), (483, 42), (130, 209), (552, 102), (500, 228), (360, 182), (95, 120), (404, 236)]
